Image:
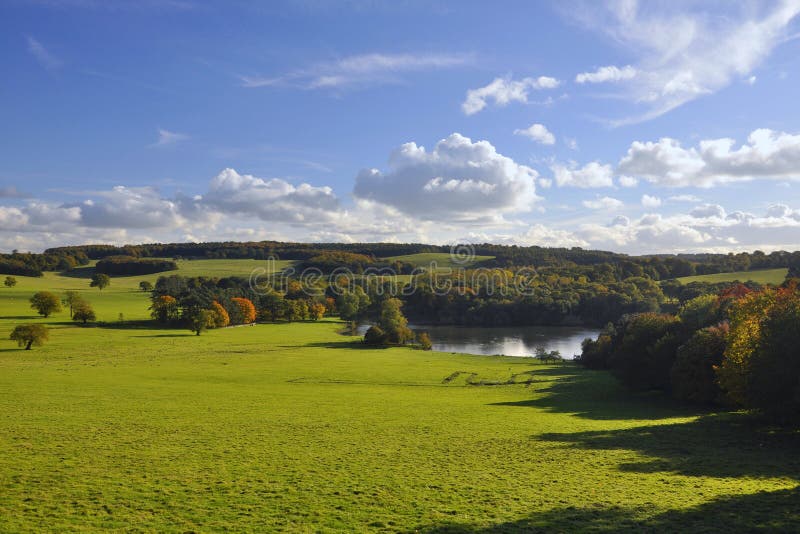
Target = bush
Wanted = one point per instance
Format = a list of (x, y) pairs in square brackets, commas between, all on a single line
[(692, 376), (375, 336)]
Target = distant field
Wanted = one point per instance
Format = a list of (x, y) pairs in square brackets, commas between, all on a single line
[(765, 276), (294, 427), (442, 259)]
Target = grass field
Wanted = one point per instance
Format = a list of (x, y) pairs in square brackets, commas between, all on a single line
[(442, 259), (764, 276), (295, 427)]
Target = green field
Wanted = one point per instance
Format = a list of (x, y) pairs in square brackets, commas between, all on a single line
[(295, 427), (764, 276), (442, 259)]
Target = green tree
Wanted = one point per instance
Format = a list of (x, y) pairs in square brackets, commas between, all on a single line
[(393, 322), (146, 286), (71, 300), (45, 303), (100, 281), (352, 304), (27, 335), (10, 281), (83, 312), (201, 320), (693, 377), (424, 341)]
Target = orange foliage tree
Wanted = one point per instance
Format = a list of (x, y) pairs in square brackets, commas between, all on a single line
[(243, 311), (219, 315)]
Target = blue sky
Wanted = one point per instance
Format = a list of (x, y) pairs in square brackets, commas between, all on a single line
[(652, 127)]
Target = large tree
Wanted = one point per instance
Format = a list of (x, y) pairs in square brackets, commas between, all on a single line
[(100, 281), (27, 335), (45, 303)]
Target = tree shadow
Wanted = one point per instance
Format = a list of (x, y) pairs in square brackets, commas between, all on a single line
[(722, 446), (187, 334), (21, 317), (597, 395), (775, 511), (355, 344)]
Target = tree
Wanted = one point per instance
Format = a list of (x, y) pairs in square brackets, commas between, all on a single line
[(83, 312), (243, 311), (45, 303), (145, 286), (201, 320), (71, 299), (393, 322), (164, 309), (100, 281), (424, 341), (27, 335), (375, 336), (219, 315), (316, 311), (10, 281), (352, 304), (692, 374)]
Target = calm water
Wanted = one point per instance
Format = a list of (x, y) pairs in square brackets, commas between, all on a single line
[(510, 341)]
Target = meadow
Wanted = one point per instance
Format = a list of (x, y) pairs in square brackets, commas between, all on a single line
[(296, 427), (762, 276)]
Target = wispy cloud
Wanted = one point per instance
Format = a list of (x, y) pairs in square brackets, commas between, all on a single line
[(167, 138), (42, 55), (359, 70), (684, 51)]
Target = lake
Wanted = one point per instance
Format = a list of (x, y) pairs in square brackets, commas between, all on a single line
[(509, 341)]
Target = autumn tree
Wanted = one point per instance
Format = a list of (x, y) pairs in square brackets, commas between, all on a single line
[(243, 311), (45, 303), (83, 312), (27, 335), (100, 281), (316, 311), (164, 309), (10, 281), (219, 315)]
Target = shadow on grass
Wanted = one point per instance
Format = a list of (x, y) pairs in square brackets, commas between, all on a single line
[(355, 344), (597, 395), (727, 445), (775, 511), (189, 334), (21, 317)]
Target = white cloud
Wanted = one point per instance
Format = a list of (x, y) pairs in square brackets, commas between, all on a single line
[(650, 201), (128, 208), (539, 133), (684, 198), (269, 200), (689, 50), (751, 80), (571, 143), (167, 138), (359, 70), (458, 180), (604, 203), (767, 154), (592, 174), (503, 91), (610, 73), (42, 55), (628, 181)]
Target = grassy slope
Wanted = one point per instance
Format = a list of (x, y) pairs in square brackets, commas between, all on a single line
[(295, 427), (765, 276)]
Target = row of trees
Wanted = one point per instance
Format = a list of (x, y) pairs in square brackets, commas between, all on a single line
[(47, 303), (737, 348)]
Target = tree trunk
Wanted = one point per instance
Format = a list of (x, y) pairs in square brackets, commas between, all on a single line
[(28, 346)]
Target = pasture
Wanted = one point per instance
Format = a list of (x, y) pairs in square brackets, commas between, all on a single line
[(762, 276), (296, 427)]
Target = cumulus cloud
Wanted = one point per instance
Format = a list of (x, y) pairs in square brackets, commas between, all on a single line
[(766, 154), (687, 50), (537, 132), (458, 180), (628, 181), (359, 71), (610, 73), (503, 91), (128, 207), (592, 174), (269, 200), (650, 201), (604, 203)]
